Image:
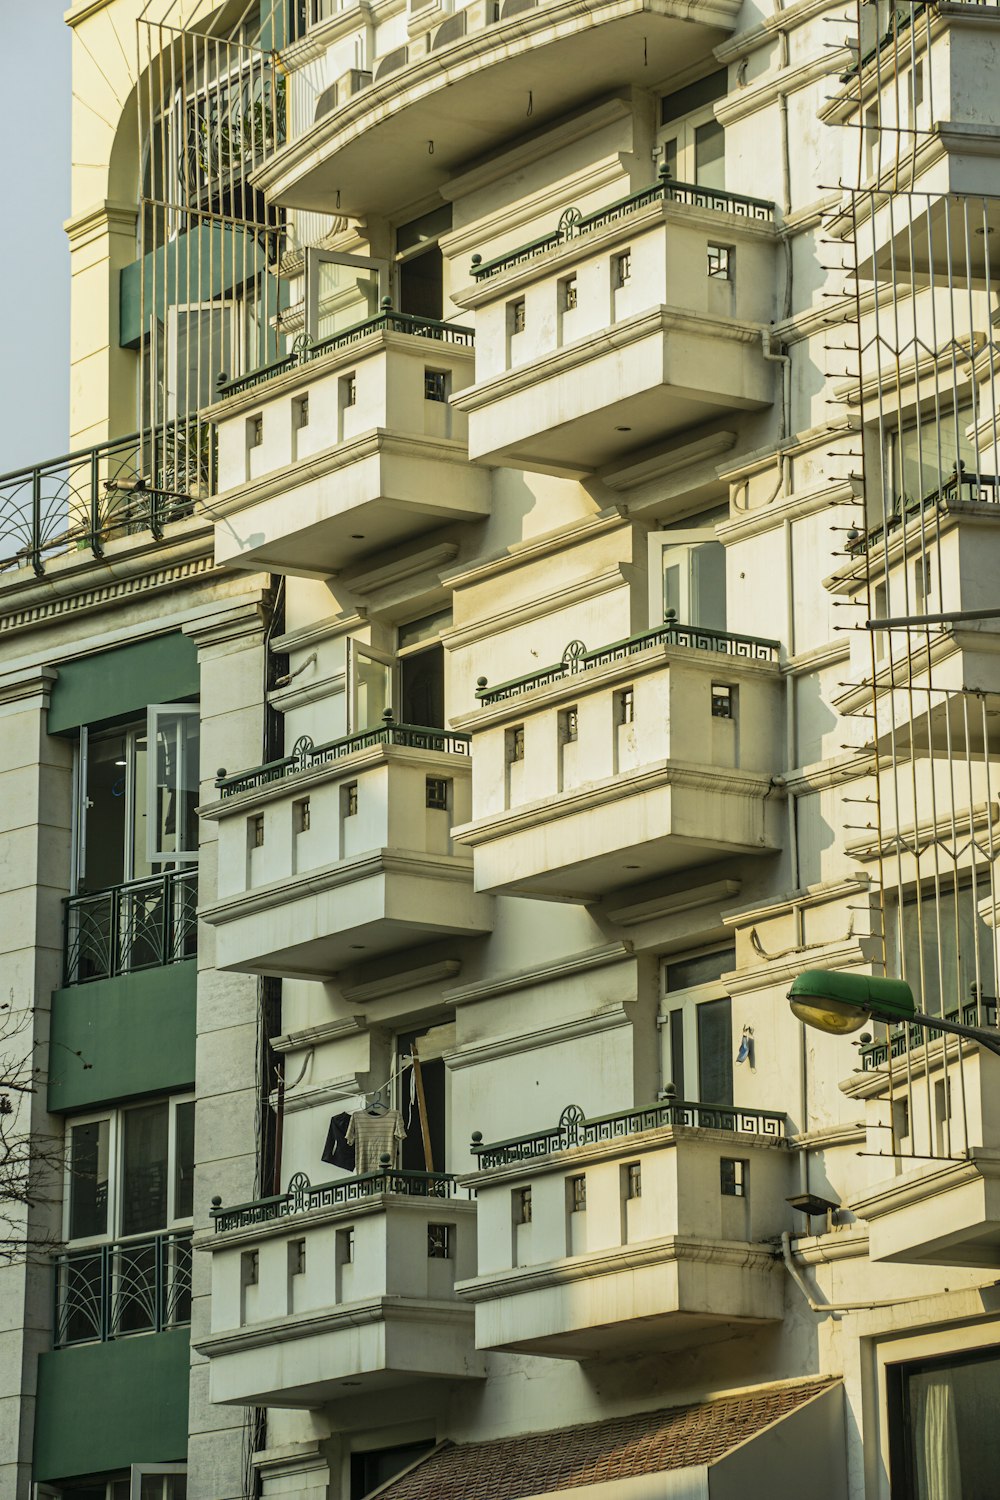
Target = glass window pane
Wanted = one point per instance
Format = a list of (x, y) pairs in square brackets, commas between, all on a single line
[(105, 809), (144, 1169), (670, 157), (347, 295), (701, 970), (172, 820), (708, 586), (715, 1052), (710, 155), (184, 1160), (673, 590), (88, 1186), (951, 1432), (936, 957), (374, 692)]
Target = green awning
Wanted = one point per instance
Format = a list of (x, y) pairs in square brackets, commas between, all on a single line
[(108, 685)]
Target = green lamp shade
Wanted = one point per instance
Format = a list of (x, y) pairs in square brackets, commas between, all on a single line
[(841, 1003)]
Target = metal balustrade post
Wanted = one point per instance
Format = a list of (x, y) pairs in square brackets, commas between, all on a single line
[(35, 551), (166, 919), (116, 948), (96, 527)]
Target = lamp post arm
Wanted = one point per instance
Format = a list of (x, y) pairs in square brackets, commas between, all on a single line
[(988, 1039)]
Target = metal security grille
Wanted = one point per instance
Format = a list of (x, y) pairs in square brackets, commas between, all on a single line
[(917, 375)]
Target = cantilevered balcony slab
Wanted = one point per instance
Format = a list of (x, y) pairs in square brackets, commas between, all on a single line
[(470, 96), (650, 316), (637, 1232), (352, 1290), (335, 854), (657, 754), (347, 448)]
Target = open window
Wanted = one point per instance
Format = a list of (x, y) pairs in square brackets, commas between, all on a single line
[(342, 291), (692, 142), (688, 577), (172, 782), (420, 264), (372, 686), (697, 1026)]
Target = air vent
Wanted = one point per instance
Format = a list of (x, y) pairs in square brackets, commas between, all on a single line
[(392, 62), (449, 31)]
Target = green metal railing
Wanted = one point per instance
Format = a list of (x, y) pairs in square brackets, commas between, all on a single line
[(140, 1285), (306, 755), (574, 1129), (576, 658), (905, 1039), (306, 350), (142, 924), (301, 1195), (572, 223), (976, 488)]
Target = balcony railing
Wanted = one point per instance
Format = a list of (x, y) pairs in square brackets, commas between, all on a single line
[(301, 1195), (572, 223), (574, 1129), (119, 488), (971, 488), (306, 350), (130, 1286), (904, 1039), (306, 755), (576, 658), (142, 925)]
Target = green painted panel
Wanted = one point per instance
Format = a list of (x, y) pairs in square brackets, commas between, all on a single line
[(197, 266), (105, 1406), (112, 683), (136, 1033)]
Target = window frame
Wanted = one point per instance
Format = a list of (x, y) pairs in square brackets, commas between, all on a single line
[(683, 129), (686, 1001), (685, 542), (314, 258), (154, 712), (115, 1116)]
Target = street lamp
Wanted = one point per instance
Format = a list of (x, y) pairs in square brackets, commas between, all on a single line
[(842, 1003)]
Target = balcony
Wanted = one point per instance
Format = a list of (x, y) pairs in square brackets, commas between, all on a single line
[(143, 924), (635, 1231), (131, 1286), (345, 447), (614, 766), (618, 329), (466, 89), (382, 803), (942, 1205), (329, 1290)]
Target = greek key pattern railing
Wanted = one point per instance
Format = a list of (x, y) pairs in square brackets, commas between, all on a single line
[(301, 1195), (131, 1286), (903, 1039), (976, 489), (82, 500), (142, 925), (572, 223), (306, 755), (305, 349), (574, 1129), (576, 658)]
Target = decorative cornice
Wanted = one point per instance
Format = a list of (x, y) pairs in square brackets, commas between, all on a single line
[(662, 465), (240, 620), (672, 904), (915, 1189), (547, 973), (474, 1055), (803, 899), (781, 83), (486, 627), (836, 955), (761, 35), (30, 683), (350, 1316), (318, 690), (89, 225), (328, 629), (405, 567), (316, 1036), (398, 984), (547, 544)]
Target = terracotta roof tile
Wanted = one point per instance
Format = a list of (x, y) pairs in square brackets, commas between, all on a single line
[(621, 1448)]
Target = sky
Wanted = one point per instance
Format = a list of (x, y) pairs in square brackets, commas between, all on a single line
[(34, 256)]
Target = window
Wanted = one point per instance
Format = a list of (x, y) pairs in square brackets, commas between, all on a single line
[(300, 412), (130, 1171), (921, 457), (345, 1247), (302, 815), (341, 291), (568, 293), (625, 706), (569, 725), (420, 264), (734, 1177), (633, 1180), (255, 431), (723, 701), (932, 942), (515, 743), (577, 1193), (439, 1241), (349, 799), (297, 1257), (692, 142), (715, 1051), (522, 1205), (720, 261), (687, 567), (435, 385), (369, 1471), (696, 1017), (348, 390), (250, 1267), (437, 793), (172, 781), (622, 269), (685, 973), (256, 825), (371, 683), (141, 1482), (516, 316), (942, 1426)]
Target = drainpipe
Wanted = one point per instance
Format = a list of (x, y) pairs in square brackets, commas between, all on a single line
[(834, 1308)]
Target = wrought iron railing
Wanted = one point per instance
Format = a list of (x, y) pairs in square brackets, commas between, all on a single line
[(301, 1195), (82, 500), (574, 1129), (305, 349), (141, 925), (903, 1039), (573, 223), (962, 487), (140, 1285), (306, 755), (576, 658)]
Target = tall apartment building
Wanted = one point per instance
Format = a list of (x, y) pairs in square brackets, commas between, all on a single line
[(439, 700)]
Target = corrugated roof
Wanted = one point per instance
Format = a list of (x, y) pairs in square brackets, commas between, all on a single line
[(648, 1442)]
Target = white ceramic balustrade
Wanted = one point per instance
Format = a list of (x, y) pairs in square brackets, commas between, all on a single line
[(626, 771), (373, 869), (936, 1208), (312, 1306), (369, 153), (659, 1253), (632, 330), (353, 451)]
